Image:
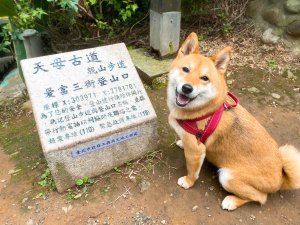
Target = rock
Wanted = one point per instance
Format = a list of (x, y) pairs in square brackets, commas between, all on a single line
[(290, 75), (14, 154), (163, 222), (211, 188), (274, 15), (30, 222), (24, 200), (281, 196), (148, 67), (78, 196), (70, 207), (195, 208), (296, 89), (67, 209), (269, 38), (252, 217), (144, 185), (27, 106), (253, 90), (292, 6), (141, 218), (253, 8), (11, 172), (293, 28), (132, 178), (275, 95), (230, 82)]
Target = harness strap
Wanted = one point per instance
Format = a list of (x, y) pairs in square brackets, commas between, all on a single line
[(190, 126)]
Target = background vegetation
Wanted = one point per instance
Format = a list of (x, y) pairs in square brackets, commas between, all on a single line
[(74, 24)]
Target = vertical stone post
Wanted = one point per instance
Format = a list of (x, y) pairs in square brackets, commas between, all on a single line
[(165, 19)]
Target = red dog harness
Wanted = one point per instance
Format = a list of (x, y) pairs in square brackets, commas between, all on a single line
[(190, 126)]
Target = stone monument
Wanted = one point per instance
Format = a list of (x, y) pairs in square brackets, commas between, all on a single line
[(165, 19), (91, 109)]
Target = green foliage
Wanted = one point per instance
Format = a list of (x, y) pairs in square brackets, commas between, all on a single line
[(47, 181), (227, 28), (66, 4), (5, 43), (7, 8), (212, 16), (129, 165), (27, 15), (84, 181), (109, 13), (81, 188), (70, 195), (117, 170), (272, 64)]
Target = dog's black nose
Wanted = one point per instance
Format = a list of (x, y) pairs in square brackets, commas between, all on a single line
[(187, 88)]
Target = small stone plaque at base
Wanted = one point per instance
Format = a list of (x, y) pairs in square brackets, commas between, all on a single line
[(92, 111)]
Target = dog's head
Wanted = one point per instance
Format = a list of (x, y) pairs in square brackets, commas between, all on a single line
[(195, 80)]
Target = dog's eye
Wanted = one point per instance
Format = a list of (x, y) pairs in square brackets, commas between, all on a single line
[(205, 78), (185, 69)]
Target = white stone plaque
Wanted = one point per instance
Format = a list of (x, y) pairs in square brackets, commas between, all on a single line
[(83, 101)]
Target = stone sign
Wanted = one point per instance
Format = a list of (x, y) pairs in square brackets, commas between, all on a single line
[(91, 109)]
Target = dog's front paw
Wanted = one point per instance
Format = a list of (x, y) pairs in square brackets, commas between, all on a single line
[(179, 144), (185, 182), (229, 203)]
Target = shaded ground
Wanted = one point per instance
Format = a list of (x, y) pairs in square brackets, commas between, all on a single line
[(145, 192)]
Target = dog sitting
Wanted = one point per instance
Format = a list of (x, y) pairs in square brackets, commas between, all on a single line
[(212, 125)]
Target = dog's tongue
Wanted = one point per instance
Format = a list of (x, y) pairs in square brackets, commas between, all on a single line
[(182, 99)]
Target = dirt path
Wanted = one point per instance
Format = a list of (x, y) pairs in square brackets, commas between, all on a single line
[(151, 195), (8, 206)]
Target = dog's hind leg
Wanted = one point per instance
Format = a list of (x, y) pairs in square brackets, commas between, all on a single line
[(231, 202), (242, 191)]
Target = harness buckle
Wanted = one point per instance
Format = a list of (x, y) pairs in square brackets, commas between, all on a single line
[(198, 135), (226, 107)]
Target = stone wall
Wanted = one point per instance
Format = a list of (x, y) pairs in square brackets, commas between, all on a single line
[(277, 20)]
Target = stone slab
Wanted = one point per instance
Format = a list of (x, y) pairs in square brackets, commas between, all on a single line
[(11, 87), (91, 109), (164, 32), (148, 67)]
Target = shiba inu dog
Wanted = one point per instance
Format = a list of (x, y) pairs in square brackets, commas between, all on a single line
[(250, 163)]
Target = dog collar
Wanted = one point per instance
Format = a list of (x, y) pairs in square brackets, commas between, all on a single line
[(190, 126)]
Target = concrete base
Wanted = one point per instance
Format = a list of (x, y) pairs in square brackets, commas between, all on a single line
[(148, 67), (67, 165), (164, 32)]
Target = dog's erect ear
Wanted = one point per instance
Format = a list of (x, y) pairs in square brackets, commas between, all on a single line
[(221, 59), (189, 46)]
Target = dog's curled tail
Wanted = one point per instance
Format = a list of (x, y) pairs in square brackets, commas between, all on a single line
[(291, 167)]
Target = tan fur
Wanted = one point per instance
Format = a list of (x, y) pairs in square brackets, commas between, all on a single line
[(251, 162), (291, 166)]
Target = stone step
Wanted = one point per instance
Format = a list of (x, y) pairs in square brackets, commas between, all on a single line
[(147, 66)]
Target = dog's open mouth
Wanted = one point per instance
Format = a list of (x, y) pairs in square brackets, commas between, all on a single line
[(182, 100)]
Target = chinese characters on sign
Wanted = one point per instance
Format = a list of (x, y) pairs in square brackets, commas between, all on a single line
[(105, 143), (79, 95)]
